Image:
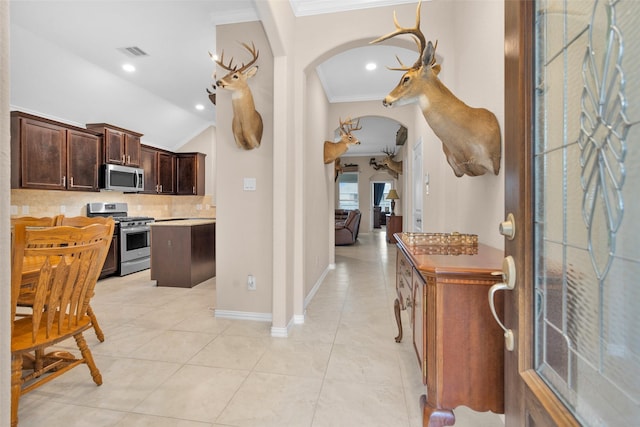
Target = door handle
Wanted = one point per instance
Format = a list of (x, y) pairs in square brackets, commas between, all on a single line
[(508, 274)]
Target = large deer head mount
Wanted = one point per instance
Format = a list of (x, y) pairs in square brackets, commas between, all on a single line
[(333, 150), (470, 136), (247, 122)]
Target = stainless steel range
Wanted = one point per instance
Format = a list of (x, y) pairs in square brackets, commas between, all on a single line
[(134, 233)]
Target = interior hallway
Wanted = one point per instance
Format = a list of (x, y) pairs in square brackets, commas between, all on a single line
[(167, 361)]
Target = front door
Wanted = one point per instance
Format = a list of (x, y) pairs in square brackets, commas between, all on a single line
[(572, 179)]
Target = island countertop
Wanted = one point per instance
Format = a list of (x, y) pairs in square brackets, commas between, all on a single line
[(183, 222)]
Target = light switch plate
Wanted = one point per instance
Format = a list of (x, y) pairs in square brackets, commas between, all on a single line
[(249, 184)]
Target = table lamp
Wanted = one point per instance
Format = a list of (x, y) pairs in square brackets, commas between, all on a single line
[(393, 196)]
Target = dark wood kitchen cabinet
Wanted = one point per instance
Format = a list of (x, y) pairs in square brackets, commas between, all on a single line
[(121, 146), (53, 156), (190, 170), (159, 170), (112, 262)]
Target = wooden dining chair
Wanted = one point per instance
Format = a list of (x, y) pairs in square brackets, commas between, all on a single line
[(68, 261), (83, 221)]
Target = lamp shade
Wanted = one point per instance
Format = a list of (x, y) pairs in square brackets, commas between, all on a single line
[(393, 195)]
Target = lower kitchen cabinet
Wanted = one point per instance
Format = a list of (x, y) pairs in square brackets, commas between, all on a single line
[(183, 252), (112, 261), (459, 346)]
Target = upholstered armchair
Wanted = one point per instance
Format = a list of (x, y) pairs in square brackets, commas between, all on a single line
[(347, 230)]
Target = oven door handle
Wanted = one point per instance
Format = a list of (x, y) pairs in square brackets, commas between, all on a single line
[(126, 230)]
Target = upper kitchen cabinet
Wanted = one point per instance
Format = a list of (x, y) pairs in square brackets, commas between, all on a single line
[(190, 174), (121, 146), (53, 156), (159, 170)]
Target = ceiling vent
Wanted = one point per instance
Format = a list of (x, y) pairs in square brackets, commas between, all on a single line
[(133, 51)]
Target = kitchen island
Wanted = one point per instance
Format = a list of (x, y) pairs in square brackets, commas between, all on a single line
[(183, 252)]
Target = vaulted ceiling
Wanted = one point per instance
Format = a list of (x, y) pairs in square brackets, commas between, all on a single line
[(167, 42)]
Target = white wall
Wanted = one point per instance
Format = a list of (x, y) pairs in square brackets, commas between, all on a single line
[(471, 41), (244, 224)]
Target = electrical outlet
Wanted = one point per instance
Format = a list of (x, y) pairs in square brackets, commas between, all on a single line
[(251, 283)]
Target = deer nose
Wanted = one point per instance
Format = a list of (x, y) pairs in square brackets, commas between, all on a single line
[(385, 103), (219, 83)]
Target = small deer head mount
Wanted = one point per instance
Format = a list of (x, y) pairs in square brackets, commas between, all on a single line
[(333, 150), (247, 122), (470, 136), (390, 163)]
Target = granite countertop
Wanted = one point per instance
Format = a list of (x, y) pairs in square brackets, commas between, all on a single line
[(183, 222)]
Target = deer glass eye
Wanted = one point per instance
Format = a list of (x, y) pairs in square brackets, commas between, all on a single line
[(405, 80), (236, 77)]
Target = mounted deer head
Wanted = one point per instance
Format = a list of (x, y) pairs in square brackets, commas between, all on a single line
[(377, 166), (333, 150), (470, 136), (390, 163), (247, 122)]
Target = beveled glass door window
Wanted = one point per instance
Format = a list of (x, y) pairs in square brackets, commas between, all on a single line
[(587, 207)]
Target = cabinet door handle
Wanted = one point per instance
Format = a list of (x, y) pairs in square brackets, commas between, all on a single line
[(161, 188), (64, 181), (508, 274), (71, 181), (194, 189), (128, 159)]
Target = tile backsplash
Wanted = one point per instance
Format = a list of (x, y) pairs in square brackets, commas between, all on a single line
[(74, 203)]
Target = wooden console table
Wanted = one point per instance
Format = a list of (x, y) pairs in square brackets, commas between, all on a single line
[(458, 344)]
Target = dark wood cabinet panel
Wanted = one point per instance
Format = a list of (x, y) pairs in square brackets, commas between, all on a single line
[(112, 262), (52, 156), (166, 173), (159, 170), (148, 163), (121, 146), (190, 174), (183, 253), (83, 151), (132, 149)]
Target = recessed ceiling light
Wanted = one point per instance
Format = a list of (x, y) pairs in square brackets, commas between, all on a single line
[(128, 68), (199, 107), (371, 66)]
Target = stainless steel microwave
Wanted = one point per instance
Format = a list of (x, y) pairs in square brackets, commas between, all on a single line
[(121, 178)]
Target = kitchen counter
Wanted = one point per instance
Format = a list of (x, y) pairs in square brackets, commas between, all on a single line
[(185, 222)]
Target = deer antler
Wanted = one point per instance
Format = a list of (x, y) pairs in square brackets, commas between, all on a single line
[(252, 50), (389, 152), (418, 37), (349, 125)]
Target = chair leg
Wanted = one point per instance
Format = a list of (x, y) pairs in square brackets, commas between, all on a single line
[(16, 385), (88, 358), (94, 322)]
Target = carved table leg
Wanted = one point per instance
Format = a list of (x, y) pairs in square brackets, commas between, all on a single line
[(396, 310), (434, 417)]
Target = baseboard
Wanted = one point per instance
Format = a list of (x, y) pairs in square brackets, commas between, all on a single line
[(243, 315), (279, 332), (314, 290)]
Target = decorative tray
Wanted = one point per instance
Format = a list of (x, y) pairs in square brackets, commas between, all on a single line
[(440, 239)]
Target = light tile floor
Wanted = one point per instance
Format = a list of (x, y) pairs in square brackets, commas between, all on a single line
[(167, 361)]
